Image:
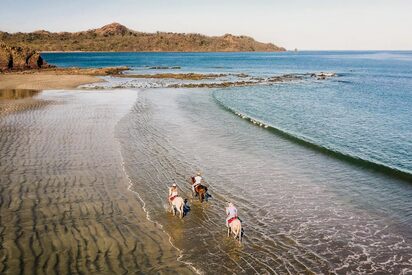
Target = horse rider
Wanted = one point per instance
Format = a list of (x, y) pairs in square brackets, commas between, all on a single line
[(172, 192), (198, 181), (231, 213)]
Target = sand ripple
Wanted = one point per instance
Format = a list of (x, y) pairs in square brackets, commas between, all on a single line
[(64, 204)]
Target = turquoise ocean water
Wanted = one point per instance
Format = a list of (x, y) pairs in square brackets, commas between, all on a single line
[(365, 112)]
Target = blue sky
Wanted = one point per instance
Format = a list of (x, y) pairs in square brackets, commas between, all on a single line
[(311, 24)]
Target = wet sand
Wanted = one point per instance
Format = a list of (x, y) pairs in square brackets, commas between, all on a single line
[(65, 207), (12, 101)]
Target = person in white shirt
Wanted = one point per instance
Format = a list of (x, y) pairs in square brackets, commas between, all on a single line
[(172, 192), (197, 181), (231, 213)]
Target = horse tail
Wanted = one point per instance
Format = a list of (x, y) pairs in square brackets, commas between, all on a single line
[(240, 232)]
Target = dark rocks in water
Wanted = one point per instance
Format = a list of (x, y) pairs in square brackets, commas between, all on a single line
[(242, 75), (285, 77), (213, 85), (322, 75), (181, 76), (165, 68), (20, 58)]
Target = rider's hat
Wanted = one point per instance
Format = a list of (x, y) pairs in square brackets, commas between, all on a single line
[(198, 173), (230, 204), (174, 184)]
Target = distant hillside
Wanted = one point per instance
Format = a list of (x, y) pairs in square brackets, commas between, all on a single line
[(116, 37)]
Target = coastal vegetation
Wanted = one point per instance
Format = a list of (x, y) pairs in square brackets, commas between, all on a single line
[(118, 38)]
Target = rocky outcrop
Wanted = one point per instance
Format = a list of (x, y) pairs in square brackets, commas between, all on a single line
[(112, 29), (20, 58), (6, 59)]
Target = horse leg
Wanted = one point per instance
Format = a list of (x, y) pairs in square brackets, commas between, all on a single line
[(174, 210), (228, 231), (235, 229)]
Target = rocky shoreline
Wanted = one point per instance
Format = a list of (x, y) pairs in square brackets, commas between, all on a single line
[(24, 68)]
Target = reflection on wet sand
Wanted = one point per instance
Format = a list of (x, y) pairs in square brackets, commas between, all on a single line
[(17, 100), (64, 203), (17, 93)]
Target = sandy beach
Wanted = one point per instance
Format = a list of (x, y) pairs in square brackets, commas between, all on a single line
[(65, 206), (41, 81), (55, 78)]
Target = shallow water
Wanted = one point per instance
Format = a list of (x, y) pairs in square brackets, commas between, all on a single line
[(303, 210)]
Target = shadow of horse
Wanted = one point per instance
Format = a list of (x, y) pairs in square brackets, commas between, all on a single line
[(186, 208), (207, 196)]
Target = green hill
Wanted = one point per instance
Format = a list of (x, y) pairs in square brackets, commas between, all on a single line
[(116, 37)]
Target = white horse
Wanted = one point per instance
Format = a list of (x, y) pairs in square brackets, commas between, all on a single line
[(178, 205), (235, 227)]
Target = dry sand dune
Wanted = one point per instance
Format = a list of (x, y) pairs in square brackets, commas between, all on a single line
[(64, 203)]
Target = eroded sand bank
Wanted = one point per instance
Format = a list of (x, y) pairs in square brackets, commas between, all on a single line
[(64, 203)]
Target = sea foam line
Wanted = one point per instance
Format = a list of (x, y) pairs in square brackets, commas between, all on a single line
[(303, 140)]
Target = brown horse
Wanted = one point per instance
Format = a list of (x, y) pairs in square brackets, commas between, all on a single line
[(200, 190)]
